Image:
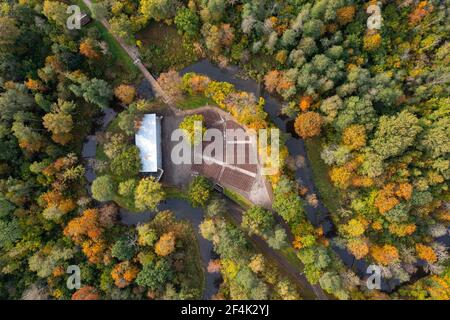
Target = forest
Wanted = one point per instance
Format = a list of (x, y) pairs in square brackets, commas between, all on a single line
[(364, 84)]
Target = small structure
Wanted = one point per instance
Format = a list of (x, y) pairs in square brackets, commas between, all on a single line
[(148, 141), (84, 19)]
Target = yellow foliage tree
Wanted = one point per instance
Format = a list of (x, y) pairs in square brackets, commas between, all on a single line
[(354, 136), (165, 244), (125, 93)]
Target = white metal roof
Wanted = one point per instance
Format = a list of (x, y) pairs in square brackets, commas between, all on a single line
[(148, 140)]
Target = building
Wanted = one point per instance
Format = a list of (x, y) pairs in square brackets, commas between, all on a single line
[(84, 19), (148, 141)]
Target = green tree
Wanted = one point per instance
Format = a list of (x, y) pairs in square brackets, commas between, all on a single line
[(187, 22), (258, 221), (199, 191), (155, 275), (103, 188), (123, 249), (127, 163), (149, 194), (395, 134)]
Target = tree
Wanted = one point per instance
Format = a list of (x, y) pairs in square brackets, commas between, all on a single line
[(9, 32), (127, 163), (147, 235), (87, 225), (125, 93), (358, 247), (149, 194), (94, 91), (124, 273), (171, 83), (395, 134), (165, 244), (308, 124), (159, 9), (99, 10), (86, 293), (187, 22), (354, 136), (345, 14), (89, 49), (10, 232), (123, 249), (56, 11), (258, 221), (426, 253), (127, 188), (385, 255), (155, 275), (60, 124), (122, 27), (278, 240), (199, 191), (189, 126), (271, 80), (103, 188), (372, 41)]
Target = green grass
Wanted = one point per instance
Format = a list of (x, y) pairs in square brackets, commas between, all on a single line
[(173, 192), (164, 48), (194, 102), (330, 195), (236, 197)]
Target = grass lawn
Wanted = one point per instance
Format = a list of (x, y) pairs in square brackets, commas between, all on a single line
[(236, 197), (330, 195), (194, 102), (163, 48)]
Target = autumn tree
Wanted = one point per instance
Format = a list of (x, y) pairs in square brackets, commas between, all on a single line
[(308, 124), (125, 93), (89, 49), (86, 293), (166, 244), (385, 255)]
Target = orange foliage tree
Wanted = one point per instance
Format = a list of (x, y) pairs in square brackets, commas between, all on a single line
[(345, 14), (86, 293), (87, 225), (358, 247), (421, 11), (88, 49), (426, 253), (124, 273), (308, 124), (384, 255), (305, 103), (125, 93)]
